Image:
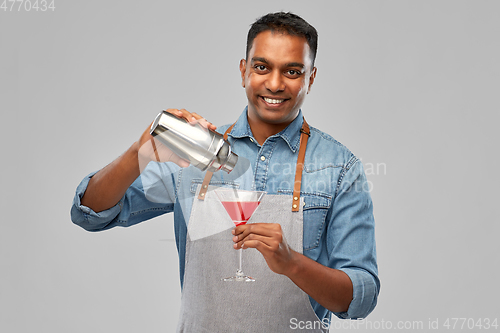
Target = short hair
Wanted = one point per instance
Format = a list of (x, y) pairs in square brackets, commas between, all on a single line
[(286, 23)]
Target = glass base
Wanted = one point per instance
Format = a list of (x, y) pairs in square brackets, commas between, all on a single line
[(240, 277)]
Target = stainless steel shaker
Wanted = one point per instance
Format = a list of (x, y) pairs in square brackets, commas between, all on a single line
[(205, 149)]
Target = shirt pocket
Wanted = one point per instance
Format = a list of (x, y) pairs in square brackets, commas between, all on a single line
[(220, 183), (315, 207)]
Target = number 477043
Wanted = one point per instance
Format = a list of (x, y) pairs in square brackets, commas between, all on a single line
[(28, 5), (471, 323)]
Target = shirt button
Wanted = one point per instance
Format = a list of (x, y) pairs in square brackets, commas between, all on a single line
[(251, 139), (262, 158)]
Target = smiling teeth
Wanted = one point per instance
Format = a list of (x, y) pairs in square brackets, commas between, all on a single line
[(273, 101)]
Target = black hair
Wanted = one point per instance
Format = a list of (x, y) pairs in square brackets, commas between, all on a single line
[(286, 23)]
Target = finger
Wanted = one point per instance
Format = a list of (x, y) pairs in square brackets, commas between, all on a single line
[(265, 249), (189, 116), (245, 237), (196, 116), (193, 118), (241, 232), (176, 112), (182, 113), (267, 229), (203, 122), (244, 242), (267, 233), (242, 228)]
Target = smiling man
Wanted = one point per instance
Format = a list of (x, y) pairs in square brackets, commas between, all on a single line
[(278, 75), (311, 241)]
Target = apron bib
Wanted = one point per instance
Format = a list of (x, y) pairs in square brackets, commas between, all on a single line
[(272, 303)]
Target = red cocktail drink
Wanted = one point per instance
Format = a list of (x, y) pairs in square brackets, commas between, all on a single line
[(239, 205), (240, 212)]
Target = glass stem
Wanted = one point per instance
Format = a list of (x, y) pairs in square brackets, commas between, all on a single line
[(240, 270)]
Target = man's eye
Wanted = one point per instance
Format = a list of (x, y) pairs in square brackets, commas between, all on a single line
[(260, 67), (293, 72)]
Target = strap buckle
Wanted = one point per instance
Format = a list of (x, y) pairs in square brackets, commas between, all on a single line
[(303, 131)]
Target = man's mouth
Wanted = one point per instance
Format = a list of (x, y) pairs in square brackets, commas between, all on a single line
[(273, 100)]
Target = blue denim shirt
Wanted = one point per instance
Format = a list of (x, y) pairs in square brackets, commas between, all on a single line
[(337, 208)]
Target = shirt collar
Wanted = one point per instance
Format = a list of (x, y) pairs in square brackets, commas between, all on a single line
[(291, 134)]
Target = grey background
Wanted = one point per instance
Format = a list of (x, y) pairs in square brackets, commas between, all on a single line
[(411, 87)]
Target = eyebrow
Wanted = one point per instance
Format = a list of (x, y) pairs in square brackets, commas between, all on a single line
[(290, 64)]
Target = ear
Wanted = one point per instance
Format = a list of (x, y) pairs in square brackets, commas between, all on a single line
[(243, 69), (311, 79)]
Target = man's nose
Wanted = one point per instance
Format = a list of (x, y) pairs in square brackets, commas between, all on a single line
[(275, 82)]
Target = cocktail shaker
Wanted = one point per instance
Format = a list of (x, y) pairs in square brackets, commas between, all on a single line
[(205, 149)]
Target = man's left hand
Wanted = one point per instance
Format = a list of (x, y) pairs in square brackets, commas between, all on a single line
[(269, 240)]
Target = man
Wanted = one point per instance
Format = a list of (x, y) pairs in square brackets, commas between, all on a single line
[(312, 240)]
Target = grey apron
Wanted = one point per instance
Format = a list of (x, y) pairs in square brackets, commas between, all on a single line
[(272, 303)]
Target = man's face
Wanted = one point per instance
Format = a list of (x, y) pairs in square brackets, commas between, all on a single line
[(277, 76)]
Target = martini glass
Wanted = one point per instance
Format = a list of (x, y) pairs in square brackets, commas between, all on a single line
[(240, 205)]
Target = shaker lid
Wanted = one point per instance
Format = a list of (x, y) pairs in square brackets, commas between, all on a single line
[(231, 161)]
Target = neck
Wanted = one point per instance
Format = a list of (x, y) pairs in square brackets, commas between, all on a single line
[(261, 131)]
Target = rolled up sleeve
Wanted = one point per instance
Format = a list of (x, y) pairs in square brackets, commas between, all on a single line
[(133, 207), (364, 294)]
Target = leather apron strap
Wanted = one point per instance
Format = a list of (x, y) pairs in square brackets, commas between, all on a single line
[(304, 136), (208, 175)]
